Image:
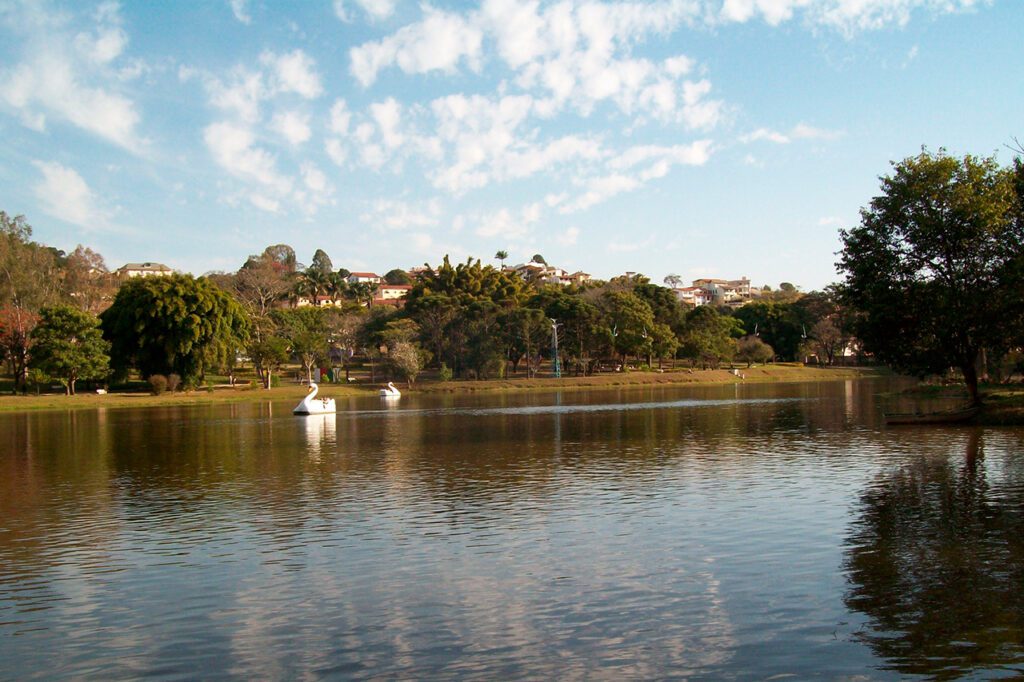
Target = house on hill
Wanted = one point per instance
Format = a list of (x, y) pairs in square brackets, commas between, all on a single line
[(129, 270), (548, 274), (391, 294), (364, 278)]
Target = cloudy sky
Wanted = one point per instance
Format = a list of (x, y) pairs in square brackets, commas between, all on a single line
[(697, 137)]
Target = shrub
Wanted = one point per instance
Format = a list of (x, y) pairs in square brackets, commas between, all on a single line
[(157, 384), (173, 382), (446, 372)]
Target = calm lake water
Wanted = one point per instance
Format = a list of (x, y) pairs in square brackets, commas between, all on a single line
[(728, 533)]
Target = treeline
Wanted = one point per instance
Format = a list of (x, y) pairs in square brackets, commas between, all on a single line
[(64, 317)]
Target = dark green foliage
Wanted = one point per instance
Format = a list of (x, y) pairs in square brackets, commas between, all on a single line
[(751, 349), (934, 268), (306, 331), (466, 283), (68, 345), (397, 276), (630, 319), (160, 325), (583, 330), (321, 263), (709, 338), (781, 325)]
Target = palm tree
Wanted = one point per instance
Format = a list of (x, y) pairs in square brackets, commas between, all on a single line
[(313, 284), (361, 292), (338, 286), (502, 255)]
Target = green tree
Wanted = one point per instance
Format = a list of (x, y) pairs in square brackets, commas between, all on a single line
[(527, 332), (709, 336), (160, 325), (306, 330), (663, 342), (321, 263), (537, 258), (434, 313), (935, 267), (282, 256), (397, 276), (630, 318), (779, 324), (584, 332), (751, 349), (502, 256), (313, 284), (69, 346), (268, 353)]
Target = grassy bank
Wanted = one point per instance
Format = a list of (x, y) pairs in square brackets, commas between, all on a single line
[(246, 393)]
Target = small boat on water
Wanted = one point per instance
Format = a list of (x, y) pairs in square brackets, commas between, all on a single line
[(313, 405), (390, 391), (957, 416)]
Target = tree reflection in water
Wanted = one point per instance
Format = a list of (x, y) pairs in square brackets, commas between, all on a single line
[(936, 562)]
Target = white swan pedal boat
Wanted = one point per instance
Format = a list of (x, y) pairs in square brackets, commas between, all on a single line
[(390, 391), (313, 405)]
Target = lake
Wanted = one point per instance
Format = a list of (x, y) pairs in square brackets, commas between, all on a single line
[(728, 532)]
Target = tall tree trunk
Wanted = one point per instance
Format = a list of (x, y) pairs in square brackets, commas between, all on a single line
[(970, 373)]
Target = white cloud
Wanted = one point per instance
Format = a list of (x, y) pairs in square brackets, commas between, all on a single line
[(292, 126), (340, 117), (800, 131), (240, 8), (399, 215), (695, 154), (803, 131), (293, 72), (765, 134), (375, 9), (439, 42), (69, 76), (845, 16), (103, 45), (599, 190), (241, 95), (63, 194), (517, 29), (508, 225), (233, 149), (388, 116), (336, 151), (265, 203), (698, 112), (569, 237)]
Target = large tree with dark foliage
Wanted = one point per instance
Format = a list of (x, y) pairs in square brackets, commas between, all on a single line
[(161, 325), (935, 267)]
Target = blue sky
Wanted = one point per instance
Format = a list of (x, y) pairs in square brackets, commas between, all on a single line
[(719, 138)]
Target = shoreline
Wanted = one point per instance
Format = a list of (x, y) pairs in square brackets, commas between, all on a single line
[(780, 373)]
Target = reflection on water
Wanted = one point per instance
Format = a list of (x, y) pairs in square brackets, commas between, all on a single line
[(936, 561), (726, 532)]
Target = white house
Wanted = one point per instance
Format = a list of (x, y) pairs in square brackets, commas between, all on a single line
[(129, 270), (392, 292), (692, 296), (363, 278)]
